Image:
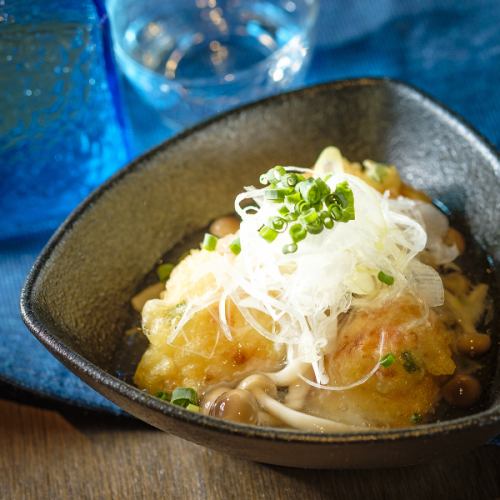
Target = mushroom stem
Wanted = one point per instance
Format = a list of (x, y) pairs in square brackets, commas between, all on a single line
[(297, 419), (287, 375)]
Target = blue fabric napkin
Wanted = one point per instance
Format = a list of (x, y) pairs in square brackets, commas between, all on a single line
[(449, 49)]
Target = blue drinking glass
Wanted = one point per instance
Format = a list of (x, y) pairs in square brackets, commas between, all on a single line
[(193, 58), (61, 127)]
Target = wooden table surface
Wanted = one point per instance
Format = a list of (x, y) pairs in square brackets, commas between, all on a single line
[(48, 451)]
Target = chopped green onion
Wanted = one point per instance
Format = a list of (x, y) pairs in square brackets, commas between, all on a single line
[(290, 180), (336, 212), (270, 176), (209, 242), (388, 360), (318, 206), (276, 195), (278, 223), (309, 200), (297, 232), (327, 220), (416, 418), (315, 228), (280, 170), (345, 197), (290, 248), (324, 189), (293, 198), (309, 216), (330, 200), (263, 179), (268, 233), (184, 396), (274, 174), (309, 191), (163, 271), (292, 216), (193, 408), (164, 395), (302, 206), (235, 246), (385, 278), (328, 223), (409, 363)]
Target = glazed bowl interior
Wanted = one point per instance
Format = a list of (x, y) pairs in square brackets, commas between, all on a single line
[(76, 298)]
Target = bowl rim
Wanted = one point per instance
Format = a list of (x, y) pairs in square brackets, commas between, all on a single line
[(81, 366)]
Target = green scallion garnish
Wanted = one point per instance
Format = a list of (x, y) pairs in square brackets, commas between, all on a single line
[(336, 212), (290, 248), (315, 228), (302, 207), (290, 179), (387, 360), (235, 246), (163, 271), (297, 232), (327, 220), (275, 174), (268, 233), (385, 278), (310, 191), (209, 242), (278, 223), (345, 198), (279, 171), (409, 363), (292, 199), (323, 187), (193, 408), (309, 216), (309, 201), (277, 195), (184, 396), (416, 418), (164, 395)]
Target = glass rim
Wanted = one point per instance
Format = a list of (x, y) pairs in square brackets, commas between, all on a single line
[(202, 81)]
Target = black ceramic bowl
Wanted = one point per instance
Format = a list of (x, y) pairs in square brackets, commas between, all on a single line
[(75, 300)]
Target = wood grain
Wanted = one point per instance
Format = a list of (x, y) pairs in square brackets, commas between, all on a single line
[(44, 454)]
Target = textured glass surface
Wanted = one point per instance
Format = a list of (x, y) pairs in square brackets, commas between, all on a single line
[(59, 133)]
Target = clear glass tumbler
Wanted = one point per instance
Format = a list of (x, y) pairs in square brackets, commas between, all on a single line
[(193, 58)]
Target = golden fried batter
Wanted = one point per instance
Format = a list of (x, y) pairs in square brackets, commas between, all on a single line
[(200, 355), (406, 390)]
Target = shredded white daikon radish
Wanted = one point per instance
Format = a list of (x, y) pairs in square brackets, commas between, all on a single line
[(304, 292), (435, 224)]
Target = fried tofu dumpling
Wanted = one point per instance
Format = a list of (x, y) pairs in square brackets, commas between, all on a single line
[(401, 393), (200, 355)]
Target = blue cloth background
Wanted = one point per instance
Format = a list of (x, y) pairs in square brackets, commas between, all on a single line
[(449, 49)]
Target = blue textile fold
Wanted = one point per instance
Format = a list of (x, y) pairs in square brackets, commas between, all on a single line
[(449, 49)]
